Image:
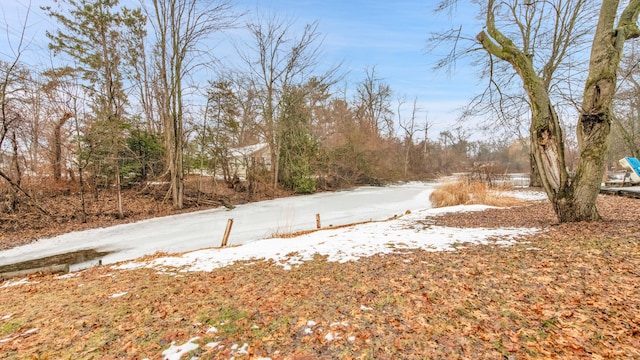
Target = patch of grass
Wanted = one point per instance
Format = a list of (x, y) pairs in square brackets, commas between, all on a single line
[(469, 193), (549, 323), (387, 300), (9, 328), (227, 320), (499, 346), (511, 315), (457, 244)]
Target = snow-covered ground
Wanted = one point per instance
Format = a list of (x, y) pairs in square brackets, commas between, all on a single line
[(342, 244), (205, 229), (409, 231), (256, 224)]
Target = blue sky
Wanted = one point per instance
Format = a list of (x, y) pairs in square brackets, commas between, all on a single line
[(388, 35)]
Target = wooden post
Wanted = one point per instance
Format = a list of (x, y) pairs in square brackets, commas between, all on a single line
[(318, 226), (227, 231)]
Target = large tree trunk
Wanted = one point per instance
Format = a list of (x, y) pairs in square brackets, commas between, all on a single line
[(119, 193), (547, 149), (179, 173), (594, 124), (572, 199), (17, 173)]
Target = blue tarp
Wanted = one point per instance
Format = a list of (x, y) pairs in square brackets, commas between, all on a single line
[(635, 164)]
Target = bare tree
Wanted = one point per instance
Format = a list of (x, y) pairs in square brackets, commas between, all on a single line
[(139, 69), (573, 197), (626, 116), (277, 61), (409, 128), (13, 78), (373, 104), (180, 28), (554, 36), (12, 86)]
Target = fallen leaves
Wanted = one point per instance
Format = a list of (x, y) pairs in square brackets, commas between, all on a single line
[(576, 295)]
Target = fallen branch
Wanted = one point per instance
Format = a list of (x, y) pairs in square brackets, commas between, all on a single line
[(52, 269), (19, 189)]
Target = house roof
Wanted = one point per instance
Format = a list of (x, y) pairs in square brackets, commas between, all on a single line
[(248, 150)]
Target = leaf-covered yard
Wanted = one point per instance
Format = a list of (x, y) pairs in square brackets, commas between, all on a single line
[(571, 291)]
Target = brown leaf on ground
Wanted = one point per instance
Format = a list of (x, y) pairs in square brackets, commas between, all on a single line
[(571, 291)]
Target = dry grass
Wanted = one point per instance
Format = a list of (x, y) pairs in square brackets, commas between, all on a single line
[(471, 192)]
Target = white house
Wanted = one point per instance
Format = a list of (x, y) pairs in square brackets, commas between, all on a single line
[(257, 154)]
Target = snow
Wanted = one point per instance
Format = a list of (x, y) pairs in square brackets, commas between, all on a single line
[(30, 331), (331, 336), (341, 244), (10, 283), (175, 352), (67, 276), (204, 229), (528, 195), (196, 234), (243, 349), (24, 334)]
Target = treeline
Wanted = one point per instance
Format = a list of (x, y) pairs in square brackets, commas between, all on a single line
[(127, 103)]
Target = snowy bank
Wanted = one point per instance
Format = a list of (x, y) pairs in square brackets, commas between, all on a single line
[(343, 244)]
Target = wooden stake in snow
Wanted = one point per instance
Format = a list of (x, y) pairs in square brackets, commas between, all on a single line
[(318, 221), (227, 231)]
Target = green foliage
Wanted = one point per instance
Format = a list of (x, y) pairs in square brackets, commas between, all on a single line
[(9, 328), (139, 155), (145, 155), (299, 180), (100, 140), (97, 36), (298, 147)]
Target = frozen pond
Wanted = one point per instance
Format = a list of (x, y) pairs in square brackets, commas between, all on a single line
[(204, 229)]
